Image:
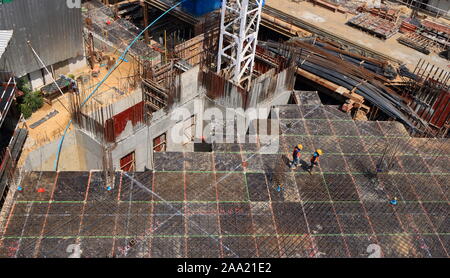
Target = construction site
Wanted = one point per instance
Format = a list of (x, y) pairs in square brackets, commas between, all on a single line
[(166, 129)]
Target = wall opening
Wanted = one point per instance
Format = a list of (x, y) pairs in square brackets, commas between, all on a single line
[(160, 143), (128, 163)]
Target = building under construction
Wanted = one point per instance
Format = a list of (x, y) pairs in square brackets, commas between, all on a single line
[(175, 139)]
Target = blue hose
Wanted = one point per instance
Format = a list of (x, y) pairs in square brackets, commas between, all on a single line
[(108, 74)]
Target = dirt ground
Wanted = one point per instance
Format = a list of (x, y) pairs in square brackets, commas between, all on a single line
[(335, 22), (54, 127)]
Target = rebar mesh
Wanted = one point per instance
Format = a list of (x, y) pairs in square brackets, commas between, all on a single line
[(239, 202)]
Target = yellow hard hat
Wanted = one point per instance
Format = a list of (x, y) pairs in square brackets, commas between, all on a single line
[(300, 146), (319, 151)]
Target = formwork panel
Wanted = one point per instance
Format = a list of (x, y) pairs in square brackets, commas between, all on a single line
[(97, 225), (235, 219), (226, 147), (18, 248), (351, 145), (200, 187), (239, 247), (360, 163), (353, 218), (308, 97), (257, 187), (341, 187), (374, 145), (168, 219), (319, 127), (416, 222), (437, 164), (202, 218), (367, 128), (289, 142), (63, 220), (289, 218), (71, 186), (360, 246), (328, 144), (252, 162), (203, 247), (398, 185), (57, 248), (168, 161), (443, 182), (134, 188), (96, 247), (35, 224), (231, 187), (385, 222), (197, 162), (393, 129), (344, 128), (369, 188), (333, 163), (227, 162), (262, 218), (412, 164), (296, 246), (331, 246), (168, 247), (289, 112), (313, 112), (268, 246), (401, 246), (426, 188), (30, 184), (16, 219), (294, 127), (438, 214), (134, 219), (334, 113), (9, 248), (169, 186), (98, 189), (321, 218), (287, 185), (312, 187)]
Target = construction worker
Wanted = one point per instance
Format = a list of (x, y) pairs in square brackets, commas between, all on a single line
[(315, 158), (296, 156)]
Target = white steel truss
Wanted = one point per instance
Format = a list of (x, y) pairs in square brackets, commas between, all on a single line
[(239, 29)]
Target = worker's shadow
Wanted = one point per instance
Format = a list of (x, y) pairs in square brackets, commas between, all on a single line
[(303, 164), (364, 168)]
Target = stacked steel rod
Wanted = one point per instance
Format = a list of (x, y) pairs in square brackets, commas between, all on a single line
[(346, 74)]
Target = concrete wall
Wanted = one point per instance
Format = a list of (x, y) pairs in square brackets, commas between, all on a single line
[(79, 153), (41, 77), (141, 141), (89, 151)]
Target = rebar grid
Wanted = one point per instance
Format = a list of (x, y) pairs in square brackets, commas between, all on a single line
[(226, 203)]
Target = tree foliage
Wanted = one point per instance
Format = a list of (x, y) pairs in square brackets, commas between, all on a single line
[(31, 103)]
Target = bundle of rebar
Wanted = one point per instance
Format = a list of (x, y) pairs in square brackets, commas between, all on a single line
[(347, 75)]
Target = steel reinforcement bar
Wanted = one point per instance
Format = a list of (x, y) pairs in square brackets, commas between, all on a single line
[(324, 34)]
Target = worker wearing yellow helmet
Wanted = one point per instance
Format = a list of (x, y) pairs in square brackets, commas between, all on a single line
[(296, 156), (315, 158)]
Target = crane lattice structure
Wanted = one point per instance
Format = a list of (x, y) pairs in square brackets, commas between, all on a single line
[(240, 20)]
